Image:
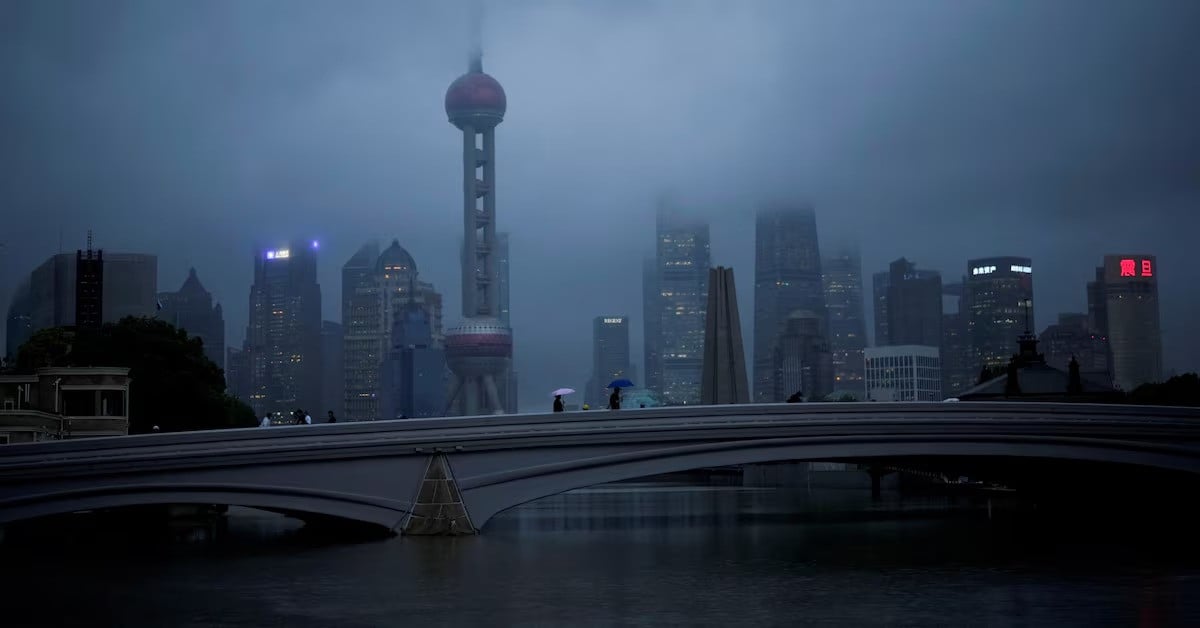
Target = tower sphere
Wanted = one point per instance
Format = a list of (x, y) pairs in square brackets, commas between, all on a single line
[(475, 99), (478, 346)]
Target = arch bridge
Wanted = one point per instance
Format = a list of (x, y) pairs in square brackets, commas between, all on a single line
[(451, 475)]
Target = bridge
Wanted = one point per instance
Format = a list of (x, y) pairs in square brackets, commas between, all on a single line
[(451, 475)]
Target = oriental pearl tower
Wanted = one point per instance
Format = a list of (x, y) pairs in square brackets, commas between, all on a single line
[(479, 349)]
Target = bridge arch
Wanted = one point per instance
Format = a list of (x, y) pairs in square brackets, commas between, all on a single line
[(382, 512), (487, 495)]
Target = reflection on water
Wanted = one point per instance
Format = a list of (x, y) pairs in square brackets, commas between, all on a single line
[(634, 555)]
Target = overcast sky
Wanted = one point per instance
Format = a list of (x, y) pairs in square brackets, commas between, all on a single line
[(937, 130)]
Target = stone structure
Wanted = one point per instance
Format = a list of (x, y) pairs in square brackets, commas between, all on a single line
[(62, 403), (724, 378)]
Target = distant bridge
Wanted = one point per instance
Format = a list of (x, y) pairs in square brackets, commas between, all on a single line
[(451, 475)]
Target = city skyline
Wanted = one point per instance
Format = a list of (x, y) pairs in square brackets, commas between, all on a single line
[(382, 160)]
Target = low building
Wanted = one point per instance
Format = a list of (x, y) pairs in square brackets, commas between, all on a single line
[(903, 373), (64, 403), (1029, 378)]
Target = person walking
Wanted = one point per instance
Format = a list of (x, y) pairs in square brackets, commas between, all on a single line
[(614, 400), (266, 421), (797, 397), (331, 419), (558, 403), (307, 418)]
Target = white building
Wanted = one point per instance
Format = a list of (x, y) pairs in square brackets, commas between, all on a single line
[(903, 373)]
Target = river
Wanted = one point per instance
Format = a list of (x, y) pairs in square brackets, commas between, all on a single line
[(636, 555)]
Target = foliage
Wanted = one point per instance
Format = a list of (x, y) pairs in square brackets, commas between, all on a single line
[(174, 385), (1181, 390), (847, 397), (46, 347)]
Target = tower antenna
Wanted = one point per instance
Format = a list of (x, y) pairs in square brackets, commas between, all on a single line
[(475, 45)]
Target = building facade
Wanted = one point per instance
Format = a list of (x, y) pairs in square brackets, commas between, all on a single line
[(130, 285), (1132, 317), (879, 292), (191, 308), (64, 403), (610, 356), (651, 326), (375, 293), (914, 305), (19, 322), (681, 274), (999, 307), (333, 370), (413, 375), (237, 374), (1072, 339), (842, 277), (285, 330), (903, 373), (787, 278), (801, 359)]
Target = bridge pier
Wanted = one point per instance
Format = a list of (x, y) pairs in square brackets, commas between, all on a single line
[(438, 509)]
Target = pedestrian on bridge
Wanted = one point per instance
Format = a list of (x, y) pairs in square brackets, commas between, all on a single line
[(331, 419)]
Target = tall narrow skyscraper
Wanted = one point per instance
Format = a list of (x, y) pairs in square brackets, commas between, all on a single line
[(787, 278), (994, 291), (479, 350), (725, 378), (610, 356), (651, 325), (1131, 310), (842, 275), (681, 273), (285, 330), (508, 392), (879, 308)]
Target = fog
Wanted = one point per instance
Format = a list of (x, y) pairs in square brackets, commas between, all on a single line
[(935, 130)]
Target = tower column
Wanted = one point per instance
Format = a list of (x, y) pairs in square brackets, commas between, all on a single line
[(470, 239), (489, 227)]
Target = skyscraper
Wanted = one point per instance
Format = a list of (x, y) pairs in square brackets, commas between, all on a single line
[(479, 350), (412, 380), (508, 392), (1072, 339), (285, 330), (375, 293), (879, 291), (610, 356), (725, 378), (994, 290), (1131, 310), (333, 369), (651, 325), (192, 308), (237, 373), (681, 275), (914, 305), (842, 277), (787, 278), (801, 359)]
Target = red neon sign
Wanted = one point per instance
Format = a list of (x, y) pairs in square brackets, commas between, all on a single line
[(1147, 269), (1127, 268)]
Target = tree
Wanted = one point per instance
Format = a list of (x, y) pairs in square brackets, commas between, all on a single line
[(1181, 390), (174, 385), (46, 347)]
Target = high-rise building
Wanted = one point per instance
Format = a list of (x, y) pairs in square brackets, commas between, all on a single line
[(998, 292), (1072, 339), (610, 356), (651, 326), (842, 277), (375, 293), (19, 322), (914, 305), (333, 369), (285, 330), (681, 274), (787, 278), (478, 350), (89, 288), (725, 378), (237, 373), (413, 382), (958, 374), (508, 392), (903, 373), (801, 359), (191, 308), (879, 292), (1131, 310), (130, 284)]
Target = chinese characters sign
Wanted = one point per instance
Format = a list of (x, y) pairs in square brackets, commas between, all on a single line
[(1127, 267)]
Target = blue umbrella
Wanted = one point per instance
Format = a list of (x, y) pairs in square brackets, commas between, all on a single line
[(620, 383)]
